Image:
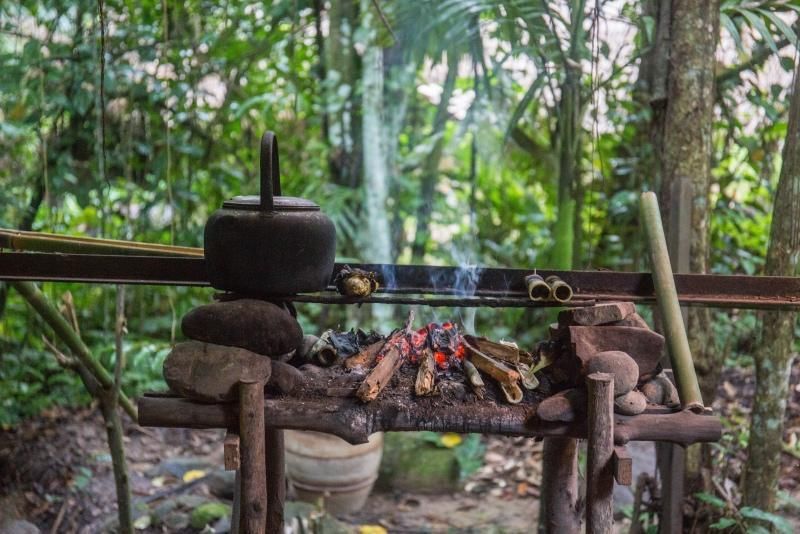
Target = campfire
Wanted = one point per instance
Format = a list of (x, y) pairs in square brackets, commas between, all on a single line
[(441, 353)]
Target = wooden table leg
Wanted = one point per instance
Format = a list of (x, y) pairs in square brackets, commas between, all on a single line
[(253, 467), (559, 501), (236, 511), (276, 479), (599, 467)]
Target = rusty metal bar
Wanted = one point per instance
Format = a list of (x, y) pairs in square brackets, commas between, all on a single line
[(438, 302), (732, 291)]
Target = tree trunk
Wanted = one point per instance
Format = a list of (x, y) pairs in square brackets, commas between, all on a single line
[(685, 177), (687, 151), (342, 79), (376, 237), (568, 145), (430, 169), (774, 355)]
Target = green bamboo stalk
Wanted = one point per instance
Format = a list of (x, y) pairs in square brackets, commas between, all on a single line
[(38, 301), (45, 242), (667, 298)]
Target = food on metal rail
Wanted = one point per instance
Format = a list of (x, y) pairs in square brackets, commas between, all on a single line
[(355, 282)]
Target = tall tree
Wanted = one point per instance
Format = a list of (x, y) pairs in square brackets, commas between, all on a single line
[(567, 141), (686, 156), (377, 244), (342, 73), (774, 355)]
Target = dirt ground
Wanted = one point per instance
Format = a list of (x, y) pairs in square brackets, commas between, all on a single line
[(55, 472)]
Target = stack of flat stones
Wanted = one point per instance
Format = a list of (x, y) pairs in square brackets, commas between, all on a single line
[(608, 338), (232, 341)]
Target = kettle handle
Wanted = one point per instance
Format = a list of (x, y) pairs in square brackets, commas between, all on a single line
[(270, 171)]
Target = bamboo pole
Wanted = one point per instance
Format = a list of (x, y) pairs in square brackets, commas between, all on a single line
[(253, 497), (600, 448), (20, 240), (667, 297), (37, 300)]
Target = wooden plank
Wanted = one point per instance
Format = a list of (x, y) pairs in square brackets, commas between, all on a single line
[(623, 466), (599, 473), (230, 451), (253, 502), (354, 421)]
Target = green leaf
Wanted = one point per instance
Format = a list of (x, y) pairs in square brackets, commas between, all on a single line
[(523, 104), (782, 525), (758, 24), (787, 63), (729, 25), (723, 523), (779, 23), (713, 500)]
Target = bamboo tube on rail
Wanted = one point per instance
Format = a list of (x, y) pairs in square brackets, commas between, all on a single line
[(667, 296), (253, 499)]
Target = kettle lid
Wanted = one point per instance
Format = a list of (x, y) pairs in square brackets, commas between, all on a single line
[(253, 202)]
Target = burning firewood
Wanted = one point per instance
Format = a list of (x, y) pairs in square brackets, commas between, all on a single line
[(500, 351), (507, 378), (426, 375), (474, 379), (392, 358), (366, 357)]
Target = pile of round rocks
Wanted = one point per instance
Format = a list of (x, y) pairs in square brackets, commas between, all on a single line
[(607, 338), (233, 341)]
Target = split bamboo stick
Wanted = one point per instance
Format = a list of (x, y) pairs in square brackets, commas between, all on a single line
[(667, 296), (20, 240)]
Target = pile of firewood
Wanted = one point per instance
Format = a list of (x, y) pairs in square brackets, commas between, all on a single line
[(439, 351), (609, 338)]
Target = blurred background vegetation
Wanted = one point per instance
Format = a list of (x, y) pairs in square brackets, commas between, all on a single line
[(466, 132)]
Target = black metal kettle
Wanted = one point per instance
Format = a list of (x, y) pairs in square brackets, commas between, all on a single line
[(269, 244)]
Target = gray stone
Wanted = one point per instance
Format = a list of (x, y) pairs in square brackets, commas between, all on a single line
[(19, 526), (632, 403), (221, 483), (176, 521), (285, 379), (564, 406), (210, 373), (653, 391), (661, 390), (161, 511), (223, 525), (255, 325), (618, 363)]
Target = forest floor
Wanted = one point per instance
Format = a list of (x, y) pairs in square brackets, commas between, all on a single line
[(55, 472)]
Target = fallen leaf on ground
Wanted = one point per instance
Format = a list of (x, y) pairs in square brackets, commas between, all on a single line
[(193, 474)]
